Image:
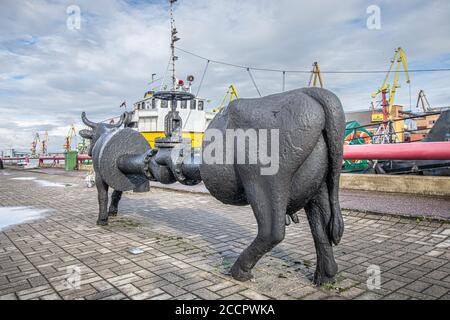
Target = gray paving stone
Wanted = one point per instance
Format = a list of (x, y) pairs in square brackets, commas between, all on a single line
[(189, 248), (436, 291)]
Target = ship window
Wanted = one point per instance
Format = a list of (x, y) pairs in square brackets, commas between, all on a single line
[(164, 103), (183, 104), (153, 103), (147, 124), (193, 104), (201, 105)]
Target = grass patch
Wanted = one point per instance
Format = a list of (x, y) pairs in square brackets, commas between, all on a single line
[(124, 222), (307, 263), (333, 286)]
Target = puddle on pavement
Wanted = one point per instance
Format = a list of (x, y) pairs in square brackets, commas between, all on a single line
[(14, 215), (45, 183), (24, 178), (5, 173)]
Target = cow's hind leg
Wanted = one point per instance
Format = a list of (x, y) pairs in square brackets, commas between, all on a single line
[(270, 212), (318, 212), (102, 191), (114, 206)]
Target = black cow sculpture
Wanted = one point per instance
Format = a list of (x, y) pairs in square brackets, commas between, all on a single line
[(310, 126)]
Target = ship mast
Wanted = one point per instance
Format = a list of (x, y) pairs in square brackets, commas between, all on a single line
[(173, 39), (172, 121)]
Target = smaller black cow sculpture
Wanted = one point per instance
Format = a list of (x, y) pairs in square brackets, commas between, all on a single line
[(309, 124), (101, 131)]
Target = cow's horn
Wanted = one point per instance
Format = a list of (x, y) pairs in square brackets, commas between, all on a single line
[(87, 122), (120, 123)]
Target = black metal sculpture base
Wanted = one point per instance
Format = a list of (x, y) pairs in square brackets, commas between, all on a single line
[(310, 123)]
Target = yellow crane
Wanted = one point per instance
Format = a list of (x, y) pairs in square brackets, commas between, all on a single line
[(399, 60), (386, 133), (231, 95), (70, 135)]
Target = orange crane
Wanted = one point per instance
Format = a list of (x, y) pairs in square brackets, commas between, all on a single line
[(70, 135)]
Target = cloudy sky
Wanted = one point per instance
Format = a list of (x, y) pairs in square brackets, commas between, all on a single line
[(49, 73)]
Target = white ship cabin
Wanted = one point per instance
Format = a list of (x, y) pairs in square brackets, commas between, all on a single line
[(149, 113)]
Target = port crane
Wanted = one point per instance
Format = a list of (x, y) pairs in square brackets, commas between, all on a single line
[(316, 76), (422, 102), (69, 137), (386, 132), (231, 95), (34, 144), (44, 143)]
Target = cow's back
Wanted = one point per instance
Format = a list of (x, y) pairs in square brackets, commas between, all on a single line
[(299, 120)]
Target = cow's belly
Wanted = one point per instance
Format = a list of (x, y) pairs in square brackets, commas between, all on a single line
[(309, 177), (221, 180), (223, 184)]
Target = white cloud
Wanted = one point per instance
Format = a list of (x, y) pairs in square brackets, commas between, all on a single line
[(49, 74)]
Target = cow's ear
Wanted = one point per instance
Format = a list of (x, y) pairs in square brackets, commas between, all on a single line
[(87, 134)]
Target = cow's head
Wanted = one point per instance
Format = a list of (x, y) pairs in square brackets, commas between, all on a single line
[(98, 129)]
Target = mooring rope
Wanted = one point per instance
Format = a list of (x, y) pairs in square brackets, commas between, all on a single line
[(203, 77), (308, 71), (253, 80)]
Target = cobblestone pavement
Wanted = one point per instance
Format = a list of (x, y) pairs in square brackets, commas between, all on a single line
[(189, 242), (367, 201), (357, 200)]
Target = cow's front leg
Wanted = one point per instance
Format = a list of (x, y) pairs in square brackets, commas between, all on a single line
[(319, 215), (102, 191), (269, 207), (114, 206)]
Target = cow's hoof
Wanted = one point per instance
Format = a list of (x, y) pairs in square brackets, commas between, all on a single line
[(102, 222), (112, 213), (320, 280), (240, 275), (326, 271)]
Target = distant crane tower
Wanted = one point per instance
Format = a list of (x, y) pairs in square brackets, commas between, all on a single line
[(422, 102), (316, 76), (34, 144), (44, 143)]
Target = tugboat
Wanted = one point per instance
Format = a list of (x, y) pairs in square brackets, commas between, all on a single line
[(151, 114)]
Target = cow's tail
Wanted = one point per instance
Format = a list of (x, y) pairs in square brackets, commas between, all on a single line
[(334, 137)]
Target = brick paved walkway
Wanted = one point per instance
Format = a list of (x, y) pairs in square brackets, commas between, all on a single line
[(189, 242)]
